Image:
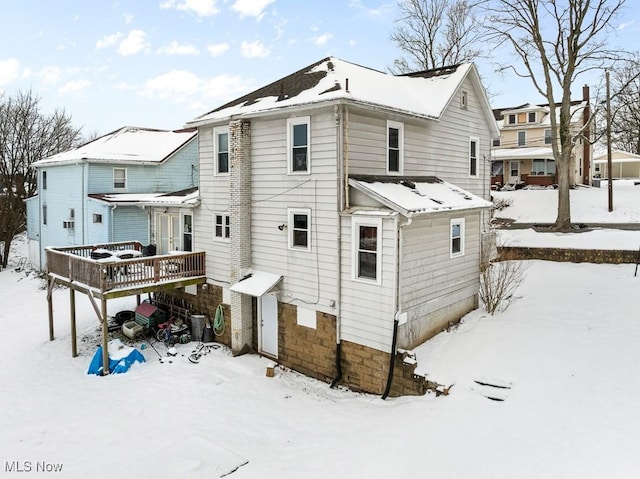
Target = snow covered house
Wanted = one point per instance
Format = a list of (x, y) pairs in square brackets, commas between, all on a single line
[(624, 164), (523, 153), (342, 211), (133, 184)]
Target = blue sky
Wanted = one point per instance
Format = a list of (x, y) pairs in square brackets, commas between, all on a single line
[(160, 63)]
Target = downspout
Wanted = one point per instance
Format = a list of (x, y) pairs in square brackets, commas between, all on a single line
[(113, 208), (340, 171), (396, 308), (346, 158)]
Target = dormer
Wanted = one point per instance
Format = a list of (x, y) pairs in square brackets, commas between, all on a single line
[(524, 115)]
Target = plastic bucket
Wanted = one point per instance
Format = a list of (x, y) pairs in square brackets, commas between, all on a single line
[(197, 325)]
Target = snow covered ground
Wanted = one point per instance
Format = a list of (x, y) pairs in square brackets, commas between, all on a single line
[(565, 356)]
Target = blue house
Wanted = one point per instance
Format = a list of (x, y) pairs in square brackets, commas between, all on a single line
[(134, 184)]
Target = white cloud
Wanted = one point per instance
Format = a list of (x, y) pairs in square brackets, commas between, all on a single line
[(186, 87), (385, 10), (217, 49), (108, 40), (9, 70), (625, 25), (174, 48), (251, 8), (50, 75), (74, 86), (135, 42), (322, 39), (128, 18), (202, 8), (254, 49)]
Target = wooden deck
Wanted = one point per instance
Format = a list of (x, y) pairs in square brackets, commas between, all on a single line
[(114, 277)]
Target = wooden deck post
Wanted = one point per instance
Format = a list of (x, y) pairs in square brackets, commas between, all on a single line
[(50, 306), (105, 339), (74, 341)]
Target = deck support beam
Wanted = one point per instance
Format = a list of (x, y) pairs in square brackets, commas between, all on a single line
[(105, 339), (74, 340), (50, 306)]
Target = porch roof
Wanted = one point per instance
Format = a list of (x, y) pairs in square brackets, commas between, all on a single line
[(417, 195), (524, 153)]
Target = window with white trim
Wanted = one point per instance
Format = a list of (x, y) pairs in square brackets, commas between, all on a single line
[(522, 138), (532, 117), (221, 150), (222, 228), (457, 238), (119, 178), (395, 146), (44, 214), (473, 156), (97, 218), (464, 100), (298, 144), (367, 249), (299, 227), (547, 136), (512, 119), (543, 166), (44, 180)]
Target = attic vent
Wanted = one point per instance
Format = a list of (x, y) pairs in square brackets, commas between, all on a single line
[(68, 225), (330, 66), (408, 184)]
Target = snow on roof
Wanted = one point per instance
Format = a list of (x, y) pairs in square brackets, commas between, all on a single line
[(576, 108), (417, 195), (600, 154), (257, 283), (188, 197), (128, 144), (424, 94), (541, 152)]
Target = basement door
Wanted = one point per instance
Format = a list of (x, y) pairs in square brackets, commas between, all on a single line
[(268, 325)]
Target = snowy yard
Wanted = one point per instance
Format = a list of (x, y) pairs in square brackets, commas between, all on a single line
[(565, 356)]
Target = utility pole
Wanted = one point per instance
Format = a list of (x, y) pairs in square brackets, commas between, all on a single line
[(609, 161)]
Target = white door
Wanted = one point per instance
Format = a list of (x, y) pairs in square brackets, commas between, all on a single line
[(514, 171), (168, 231), (269, 325)]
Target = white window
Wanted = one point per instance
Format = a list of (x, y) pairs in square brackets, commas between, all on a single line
[(473, 156), (543, 167), (512, 119), (457, 237), (187, 233), (522, 138), (120, 178), (97, 218), (299, 227), (532, 117), (367, 249), (222, 229), (44, 180), (464, 100), (298, 144), (395, 146), (547, 136), (221, 150), (44, 214)]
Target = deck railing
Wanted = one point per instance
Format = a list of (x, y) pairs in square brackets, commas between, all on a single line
[(75, 264)]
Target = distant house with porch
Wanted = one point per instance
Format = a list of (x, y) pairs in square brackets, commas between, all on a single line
[(624, 165), (133, 184), (523, 154), (342, 214)]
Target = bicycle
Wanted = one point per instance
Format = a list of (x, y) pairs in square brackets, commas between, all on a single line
[(202, 349), (171, 333)]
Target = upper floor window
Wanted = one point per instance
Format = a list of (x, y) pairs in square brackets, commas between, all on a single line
[(532, 117), (473, 156), (547, 136), (464, 100), (222, 227), (457, 238), (97, 218), (496, 142), (299, 226), (522, 138), (221, 150), (44, 180), (120, 178), (512, 119), (298, 135), (367, 249), (44, 214), (395, 146)]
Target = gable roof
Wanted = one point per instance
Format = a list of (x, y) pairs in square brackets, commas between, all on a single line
[(126, 145), (422, 94), (417, 195)]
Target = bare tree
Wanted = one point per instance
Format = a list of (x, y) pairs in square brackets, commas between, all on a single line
[(556, 41), (625, 104), (435, 33), (26, 135)]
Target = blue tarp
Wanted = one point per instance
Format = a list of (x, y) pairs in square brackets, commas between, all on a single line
[(120, 358)]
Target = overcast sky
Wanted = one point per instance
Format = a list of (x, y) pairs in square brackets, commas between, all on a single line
[(161, 63)]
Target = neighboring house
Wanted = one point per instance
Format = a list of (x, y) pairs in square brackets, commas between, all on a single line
[(338, 202), (523, 154), (105, 191), (623, 163)]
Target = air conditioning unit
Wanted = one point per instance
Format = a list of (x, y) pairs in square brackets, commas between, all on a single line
[(68, 225)]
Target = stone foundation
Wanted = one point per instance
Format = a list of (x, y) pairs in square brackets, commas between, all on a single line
[(507, 253)]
